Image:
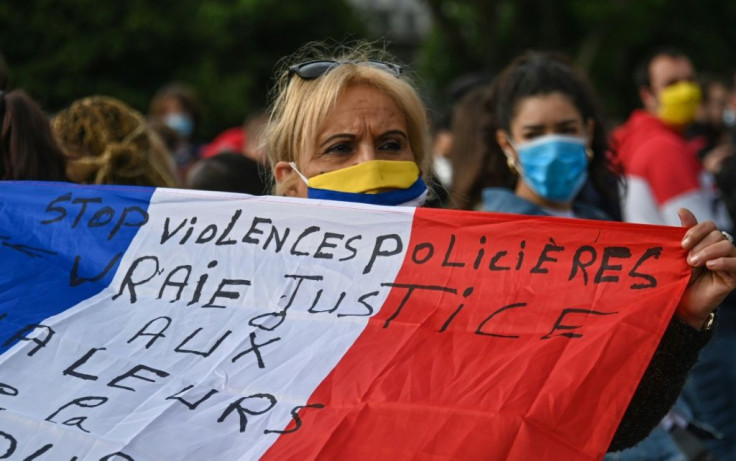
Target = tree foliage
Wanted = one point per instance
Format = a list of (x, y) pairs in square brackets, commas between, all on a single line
[(605, 37), (61, 51)]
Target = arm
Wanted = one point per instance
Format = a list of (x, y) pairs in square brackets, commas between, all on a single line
[(713, 261), (661, 383)]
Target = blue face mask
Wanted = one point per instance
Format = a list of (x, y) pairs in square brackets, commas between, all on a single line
[(181, 123), (554, 166)]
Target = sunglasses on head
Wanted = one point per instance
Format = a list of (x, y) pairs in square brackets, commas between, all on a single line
[(313, 69)]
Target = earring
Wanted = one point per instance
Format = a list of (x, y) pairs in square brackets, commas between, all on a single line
[(511, 164), (589, 153)]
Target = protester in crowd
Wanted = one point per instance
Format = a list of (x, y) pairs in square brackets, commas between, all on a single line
[(451, 136), (107, 142), (253, 127), (228, 172), (356, 116), (468, 148), (724, 168), (28, 149), (712, 137), (230, 140), (545, 137), (711, 389), (709, 130), (439, 176), (177, 106), (246, 139), (663, 173), (441, 144)]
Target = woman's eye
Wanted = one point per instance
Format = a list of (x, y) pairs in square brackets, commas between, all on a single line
[(391, 145), (339, 148)]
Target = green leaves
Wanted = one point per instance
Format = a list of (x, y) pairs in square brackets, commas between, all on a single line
[(61, 51)]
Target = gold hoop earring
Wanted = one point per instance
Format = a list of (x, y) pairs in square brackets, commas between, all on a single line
[(589, 153)]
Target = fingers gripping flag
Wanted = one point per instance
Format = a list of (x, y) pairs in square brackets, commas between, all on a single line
[(141, 324)]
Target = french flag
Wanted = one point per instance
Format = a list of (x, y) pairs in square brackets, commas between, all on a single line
[(160, 324)]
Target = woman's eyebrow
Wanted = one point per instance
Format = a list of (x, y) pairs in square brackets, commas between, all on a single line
[(394, 132), (337, 136), (533, 127)]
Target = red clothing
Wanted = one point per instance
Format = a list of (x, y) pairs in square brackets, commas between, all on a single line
[(230, 140), (662, 172)]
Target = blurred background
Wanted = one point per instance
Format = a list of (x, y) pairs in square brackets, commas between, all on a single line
[(59, 51)]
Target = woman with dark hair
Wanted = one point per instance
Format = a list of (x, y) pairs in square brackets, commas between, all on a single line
[(27, 147), (545, 139), (468, 148)]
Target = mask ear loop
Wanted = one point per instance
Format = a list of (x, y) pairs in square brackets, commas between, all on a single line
[(293, 167)]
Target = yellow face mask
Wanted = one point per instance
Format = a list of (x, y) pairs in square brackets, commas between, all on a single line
[(678, 104), (368, 177), (378, 182)]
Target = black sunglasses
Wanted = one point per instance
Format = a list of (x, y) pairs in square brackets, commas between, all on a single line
[(313, 69)]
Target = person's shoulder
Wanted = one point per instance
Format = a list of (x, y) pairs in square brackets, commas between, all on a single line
[(658, 145), (501, 200), (587, 211)]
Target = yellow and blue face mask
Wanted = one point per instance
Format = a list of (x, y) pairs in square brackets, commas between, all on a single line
[(376, 182)]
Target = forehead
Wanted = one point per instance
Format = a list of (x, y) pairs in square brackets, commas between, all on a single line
[(545, 108), (170, 103), (362, 97), (358, 102), (668, 69)]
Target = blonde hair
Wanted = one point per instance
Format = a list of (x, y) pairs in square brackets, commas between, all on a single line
[(107, 142), (300, 106)]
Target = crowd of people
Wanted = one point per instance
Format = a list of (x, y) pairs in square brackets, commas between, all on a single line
[(352, 127)]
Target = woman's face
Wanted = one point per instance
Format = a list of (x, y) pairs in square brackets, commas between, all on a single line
[(552, 113), (541, 115), (365, 124)]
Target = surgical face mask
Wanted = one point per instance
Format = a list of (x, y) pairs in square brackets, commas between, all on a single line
[(442, 167), (729, 117), (377, 182), (679, 103), (180, 122), (554, 166)]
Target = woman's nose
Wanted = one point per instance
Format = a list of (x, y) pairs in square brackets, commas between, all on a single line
[(366, 153)]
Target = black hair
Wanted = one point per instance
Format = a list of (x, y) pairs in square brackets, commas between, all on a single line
[(4, 73), (228, 172), (642, 78), (28, 150), (536, 74)]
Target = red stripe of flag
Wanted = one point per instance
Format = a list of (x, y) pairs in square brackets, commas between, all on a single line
[(485, 363)]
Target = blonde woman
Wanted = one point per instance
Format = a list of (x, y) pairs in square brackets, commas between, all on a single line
[(352, 127)]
